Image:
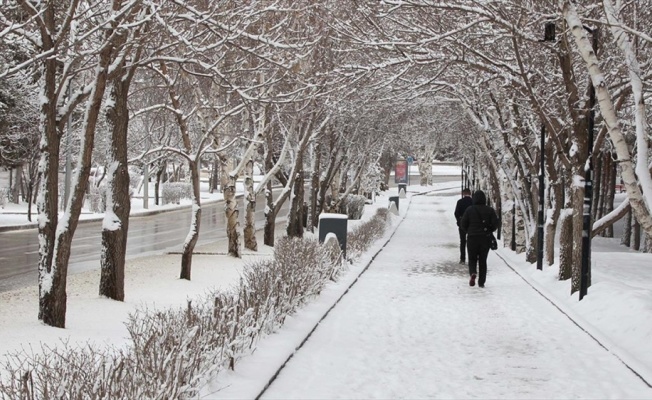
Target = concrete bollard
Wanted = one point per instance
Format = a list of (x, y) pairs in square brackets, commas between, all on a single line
[(335, 224), (402, 190), (394, 199)]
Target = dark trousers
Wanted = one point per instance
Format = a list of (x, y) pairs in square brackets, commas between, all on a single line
[(478, 247), (462, 244)]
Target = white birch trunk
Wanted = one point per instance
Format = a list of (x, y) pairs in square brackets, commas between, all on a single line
[(640, 117), (637, 201), (250, 208)]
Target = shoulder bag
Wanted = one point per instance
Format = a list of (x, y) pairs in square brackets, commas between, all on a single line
[(493, 244)]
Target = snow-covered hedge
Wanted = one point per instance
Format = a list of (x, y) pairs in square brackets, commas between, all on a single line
[(173, 192), (97, 198), (174, 352), (363, 235)]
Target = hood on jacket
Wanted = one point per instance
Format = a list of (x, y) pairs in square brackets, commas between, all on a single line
[(479, 198)]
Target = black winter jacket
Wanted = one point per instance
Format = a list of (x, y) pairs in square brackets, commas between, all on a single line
[(462, 204), (472, 220)]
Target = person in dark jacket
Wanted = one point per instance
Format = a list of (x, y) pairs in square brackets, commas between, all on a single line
[(462, 204), (478, 221)]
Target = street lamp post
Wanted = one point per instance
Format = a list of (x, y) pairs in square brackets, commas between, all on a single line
[(541, 200), (146, 186), (549, 36), (66, 185), (585, 275), (513, 241), (462, 188)]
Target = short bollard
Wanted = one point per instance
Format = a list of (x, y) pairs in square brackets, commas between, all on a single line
[(394, 199), (402, 190), (334, 223)]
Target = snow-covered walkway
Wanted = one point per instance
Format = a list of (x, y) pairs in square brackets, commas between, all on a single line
[(411, 327)]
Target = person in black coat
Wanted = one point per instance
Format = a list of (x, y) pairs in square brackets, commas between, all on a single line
[(478, 221), (461, 206)]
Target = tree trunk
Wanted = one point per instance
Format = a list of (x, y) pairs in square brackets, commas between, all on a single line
[(232, 222), (577, 196), (313, 215), (552, 219), (270, 217), (636, 235), (531, 249), (157, 184), (566, 244), (335, 189), (52, 275), (609, 199), (324, 185), (55, 240), (18, 184), (521, 236), (627, 231), (195, 223), (116, 222), (30, 194), (598, 177), (295, 215), (647, 244), (250, 208), (215, 175)]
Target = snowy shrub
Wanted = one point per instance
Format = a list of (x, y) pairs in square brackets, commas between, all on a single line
[(353, 206), (69, 373), (174, 352), (363, 235), (97, 198), (175, 348), (173, 192)]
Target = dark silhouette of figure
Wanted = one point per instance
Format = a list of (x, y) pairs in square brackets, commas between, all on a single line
[(462, 204), (478, 221)]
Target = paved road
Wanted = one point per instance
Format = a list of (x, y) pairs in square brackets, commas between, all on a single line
[(147, 234)]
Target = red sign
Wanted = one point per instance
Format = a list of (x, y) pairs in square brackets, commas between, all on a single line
[(401, 171)]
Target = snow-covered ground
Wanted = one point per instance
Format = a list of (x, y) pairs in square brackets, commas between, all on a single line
[(411, 327)]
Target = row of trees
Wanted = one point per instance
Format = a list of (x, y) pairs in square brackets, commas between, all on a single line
[(328, 91), (139, 82), (569, 70)]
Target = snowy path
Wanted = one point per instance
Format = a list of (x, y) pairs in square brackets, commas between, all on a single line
[(413, 328)]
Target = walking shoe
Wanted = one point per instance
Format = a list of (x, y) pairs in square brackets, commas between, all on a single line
[(480, 285), (462, 262), (472, 281)]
